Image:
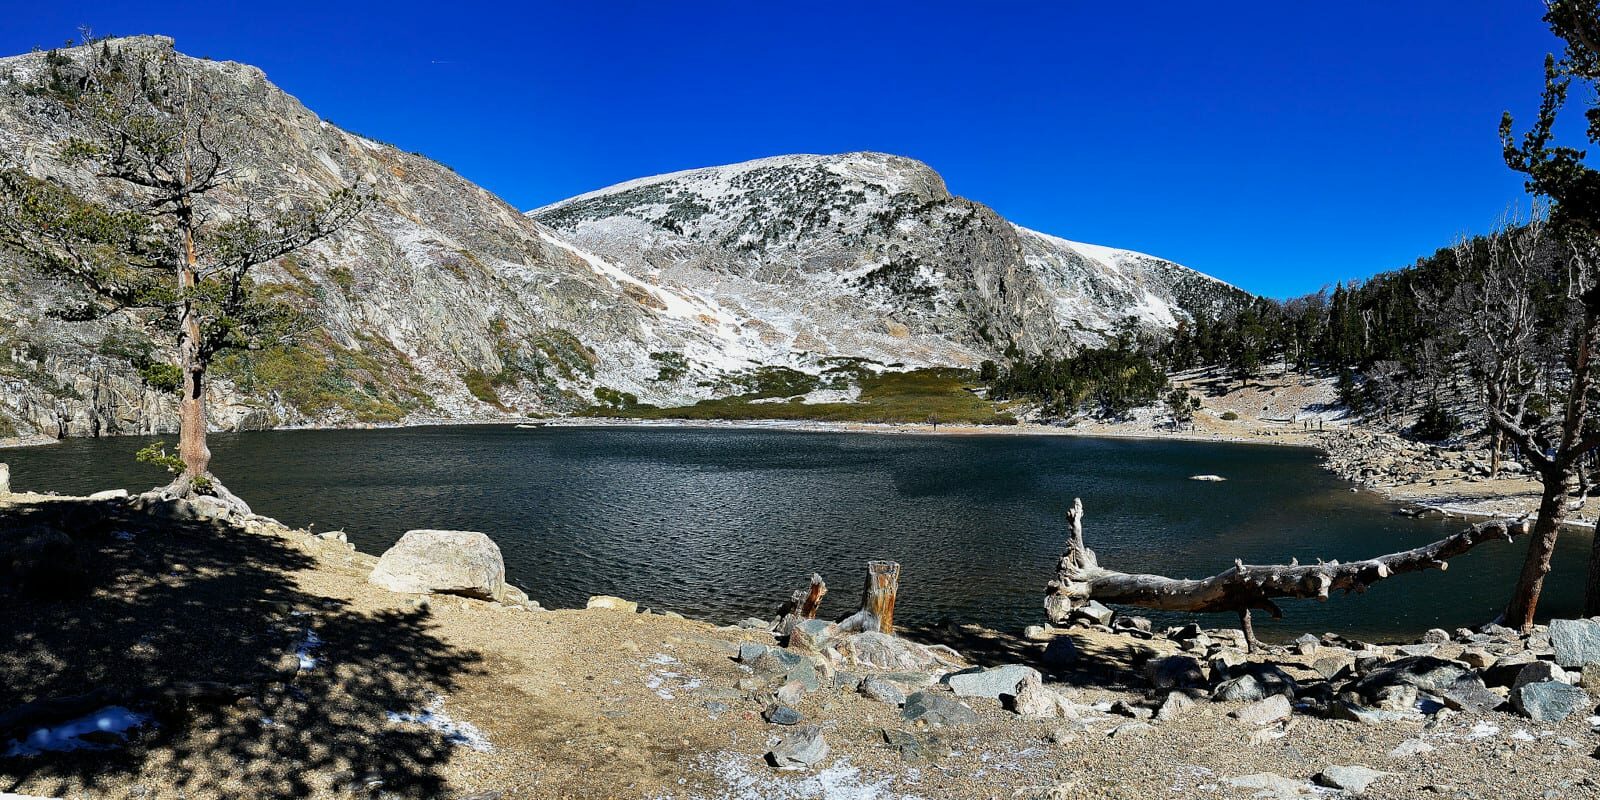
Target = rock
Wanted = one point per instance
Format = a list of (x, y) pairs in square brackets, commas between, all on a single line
[(1478, 658), (801, 749), (1507, 667), (1410, 748), (809, 635), (1333, 667), (1061, 653), (443, 562), (1576, 641), (936, 710), (610, 603), (1175, 672), (1349, 778), (1225, 660), (1264, 712), (1094, 611), (1538, 672), (781, 715), (1034, 701), (1549, 701), (1590, 678), (991, 682), (1356, 712), (1270, 785), (1470, 695), (1423, 649), (882, 651), (883, 691), (1131, 729), (1255, 681), (791, 692), (1435, 636), (5, 480), (1036, 633), (1173, 707), (750, 652), (754, 624), (1427, 673), (1306, 644), (109, 494), (910, 747)]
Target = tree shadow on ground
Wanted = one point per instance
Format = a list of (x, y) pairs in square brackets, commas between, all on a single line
[(256, 687), (1103, 661)]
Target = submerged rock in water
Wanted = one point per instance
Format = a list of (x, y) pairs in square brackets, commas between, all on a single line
[(445, 562)]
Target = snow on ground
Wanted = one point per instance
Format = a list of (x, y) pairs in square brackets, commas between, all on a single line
[(755, 781), (455, 731), (111, 721)]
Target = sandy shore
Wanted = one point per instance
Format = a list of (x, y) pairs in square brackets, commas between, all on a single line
[(348, 690)]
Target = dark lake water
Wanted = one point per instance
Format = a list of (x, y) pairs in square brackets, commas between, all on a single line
[(721, 524)]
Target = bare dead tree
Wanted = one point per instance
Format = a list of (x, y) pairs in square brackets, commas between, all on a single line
[(1244, 588)]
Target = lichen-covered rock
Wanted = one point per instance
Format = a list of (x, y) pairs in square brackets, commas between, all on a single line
[(443, 562), (1549, 701), (1576, 641)]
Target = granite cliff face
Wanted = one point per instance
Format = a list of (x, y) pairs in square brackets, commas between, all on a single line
[(444, 302)]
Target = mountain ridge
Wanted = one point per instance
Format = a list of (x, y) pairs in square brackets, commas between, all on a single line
[(443, 302)]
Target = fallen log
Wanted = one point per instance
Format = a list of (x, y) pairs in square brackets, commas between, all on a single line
[(1245, 587)]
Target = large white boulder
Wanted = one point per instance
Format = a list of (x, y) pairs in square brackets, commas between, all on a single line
[(443, 562)]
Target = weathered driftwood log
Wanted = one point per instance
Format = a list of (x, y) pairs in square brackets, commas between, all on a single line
[(877, 599), (1080, 578)]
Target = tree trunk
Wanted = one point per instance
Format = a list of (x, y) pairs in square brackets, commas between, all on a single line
[(1080, 578), (1497, 442), (192, 406), (1536, 565)]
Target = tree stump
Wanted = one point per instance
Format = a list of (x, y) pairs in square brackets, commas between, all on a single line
[(883, 584)]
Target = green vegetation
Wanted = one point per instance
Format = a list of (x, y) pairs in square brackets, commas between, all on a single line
[(8, 428), (481, 385), (156, 454), (939, 395), (1109, 381), (672, 366), (372, 385), (1230, 416)]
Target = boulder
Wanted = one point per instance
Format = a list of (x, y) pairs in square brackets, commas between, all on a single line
[(1175, 672), (1538, 672), (110, 494), (809, 635), (1264, 712), (1549, 701), (883, 651), (609, 603), (1173, 707), (801, 749), (446, 562), (992, 682), (1436, 636), (931, 709), (1094, 611), (1470, 695), (1428, 673), (883, 691), (1576, 641), (1255, 681), (1061, 653), (780, 714), (5, 480), (1034, 701), (1349, 778)]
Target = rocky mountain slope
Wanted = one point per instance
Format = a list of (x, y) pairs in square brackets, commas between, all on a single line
[(444, 302)]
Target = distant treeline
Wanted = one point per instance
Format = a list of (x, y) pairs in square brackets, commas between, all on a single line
[(1419, 339)]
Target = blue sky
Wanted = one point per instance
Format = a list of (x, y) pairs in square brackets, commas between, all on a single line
[(1279, 146)]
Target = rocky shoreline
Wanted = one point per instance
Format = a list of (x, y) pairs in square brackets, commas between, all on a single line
[(616, 701)]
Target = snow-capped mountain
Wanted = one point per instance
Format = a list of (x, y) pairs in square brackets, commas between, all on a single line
[(867, 254)]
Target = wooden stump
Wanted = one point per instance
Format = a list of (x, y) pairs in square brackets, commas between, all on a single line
[(883, 584), (813, 597)]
